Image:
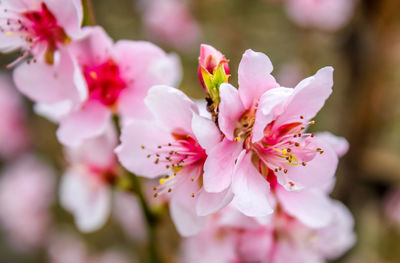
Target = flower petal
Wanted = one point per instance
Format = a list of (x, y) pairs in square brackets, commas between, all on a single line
[(270, 106), (87, 200), (93, 48), (230, 109), (339, 144), (48, 83), (319, 171), (88, 122), (251, 190), (254, 77), (210, 203), (311, 206), (131, 153), (206, 132), (309, 96), (53, 111), (183, 209), (69, 15), (171, 107), (338, 236), (219, 166)]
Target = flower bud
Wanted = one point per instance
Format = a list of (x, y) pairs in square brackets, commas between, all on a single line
[(213, 70)]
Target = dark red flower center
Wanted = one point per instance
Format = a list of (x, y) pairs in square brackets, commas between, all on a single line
[(43, 27), (104, 82)]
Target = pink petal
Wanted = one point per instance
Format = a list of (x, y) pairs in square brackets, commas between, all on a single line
[(97, 151), (254, 77), (230, 109), (131, 106), (286, 251), (270, 106), (53, 111), (251, 190), (87, 122), (88, 201), (68, 13), (338, 236), (133, 156), (93, 48), (207, 50), (255, 245), (210, 203), (183, 209), (339, 144), (319, 171), (144, 64), (171, 107), (48, 83), (219, 165), (311, 206), (309, 96), (206, 132)]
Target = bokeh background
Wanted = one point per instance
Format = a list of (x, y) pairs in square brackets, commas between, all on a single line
[(364, 108)]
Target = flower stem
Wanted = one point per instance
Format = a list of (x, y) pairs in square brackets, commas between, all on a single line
[(88, 18)]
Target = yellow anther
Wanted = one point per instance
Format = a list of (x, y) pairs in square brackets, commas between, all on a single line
[(93, 75), (237, 139)]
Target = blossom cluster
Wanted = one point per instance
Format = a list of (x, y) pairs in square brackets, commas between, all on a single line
[(242, 175)]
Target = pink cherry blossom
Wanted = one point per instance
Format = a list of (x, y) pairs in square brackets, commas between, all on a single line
[(209, 60), (175, 144), (127, 211), (170, 21), (324, 14), (232, 237), (26, 193), (104, 78), (392, 206), (14, 137), (85, 190), (266, 142), (37, 27)]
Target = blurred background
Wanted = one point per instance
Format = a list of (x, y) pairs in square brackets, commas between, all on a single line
[(364, 108)]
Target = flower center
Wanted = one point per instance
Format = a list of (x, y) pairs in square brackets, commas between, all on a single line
[(185, 153), (35, 27), (104, 82), (286, 145)]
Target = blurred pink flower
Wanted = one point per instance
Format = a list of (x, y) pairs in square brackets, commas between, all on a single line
[(392, 206), (14, 136), (128, 213), (266, 144), (84, 189), (170, 21), (323, 14), (104, 78), (26, 193), (38, 27), (175, 143), (232, 237)]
